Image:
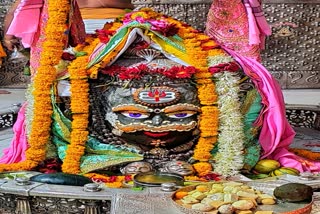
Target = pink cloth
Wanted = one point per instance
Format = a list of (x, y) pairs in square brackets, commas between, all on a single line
[(258, 26), (228, 23), (16, 152), (26, 20), (276, 134)]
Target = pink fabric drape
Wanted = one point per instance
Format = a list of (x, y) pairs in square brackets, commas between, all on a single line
[(276, 134), (16, 152), (258, 26), (26, 20)]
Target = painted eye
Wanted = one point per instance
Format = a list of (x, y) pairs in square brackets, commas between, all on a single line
[(181, 115), (135, 115)]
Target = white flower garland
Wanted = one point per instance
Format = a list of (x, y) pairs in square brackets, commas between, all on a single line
[(229, 158)]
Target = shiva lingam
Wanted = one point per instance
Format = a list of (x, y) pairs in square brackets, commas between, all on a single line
[(154, 114)]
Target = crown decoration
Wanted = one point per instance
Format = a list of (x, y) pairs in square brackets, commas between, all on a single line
[(137, 72)]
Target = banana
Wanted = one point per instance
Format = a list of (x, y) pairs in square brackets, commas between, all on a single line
[(283, 171)]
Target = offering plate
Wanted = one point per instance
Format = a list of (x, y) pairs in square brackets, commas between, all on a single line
[(278, 208)]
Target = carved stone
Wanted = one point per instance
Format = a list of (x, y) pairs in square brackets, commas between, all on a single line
[(7, 119), (23, 206), (303, 116), (292, 52)]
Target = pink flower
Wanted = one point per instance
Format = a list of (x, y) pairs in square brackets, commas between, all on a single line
[(163, 27), (104, 35)]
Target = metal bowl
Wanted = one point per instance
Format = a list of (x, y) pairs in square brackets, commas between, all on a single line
[(154, 179)]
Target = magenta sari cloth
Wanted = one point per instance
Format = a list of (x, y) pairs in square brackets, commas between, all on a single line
[(258, 26), (26, 20), (276, 134), (16, 152)]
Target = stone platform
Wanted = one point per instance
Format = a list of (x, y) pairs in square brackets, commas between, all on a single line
[(57, 199)]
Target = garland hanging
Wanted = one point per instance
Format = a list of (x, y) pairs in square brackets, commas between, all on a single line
[(53, 45), (229, 159), (79, 107)]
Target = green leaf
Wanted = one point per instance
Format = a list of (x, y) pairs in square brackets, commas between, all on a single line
[(80, 53)]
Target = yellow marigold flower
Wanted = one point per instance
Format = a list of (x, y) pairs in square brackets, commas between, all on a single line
[(202, 168)]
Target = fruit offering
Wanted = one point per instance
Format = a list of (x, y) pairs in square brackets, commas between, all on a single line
[(265, 166), (283, 171), (223, 197)]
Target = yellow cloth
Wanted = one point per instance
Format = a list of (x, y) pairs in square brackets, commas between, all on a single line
[(101, 13)]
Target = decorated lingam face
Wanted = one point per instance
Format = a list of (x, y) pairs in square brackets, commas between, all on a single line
[(154, 117)]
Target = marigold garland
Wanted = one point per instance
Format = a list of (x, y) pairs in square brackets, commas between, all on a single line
[(80, 109), (58, 12), (208, 123), (110, 181), (202, 168), (306, 154)]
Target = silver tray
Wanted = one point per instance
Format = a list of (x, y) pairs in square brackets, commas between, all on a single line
[(279, 208)]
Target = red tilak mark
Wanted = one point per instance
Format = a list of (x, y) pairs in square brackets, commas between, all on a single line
[(153, 134), (156, 94)]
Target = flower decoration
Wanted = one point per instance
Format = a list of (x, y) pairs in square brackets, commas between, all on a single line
[(163, 27), (202, 168), (80, 109), (110, 181), (306, 153), (157, 23), (139, 16), (104, 35), (68, 56), (230, 66), (229, 159), (125, 73)]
